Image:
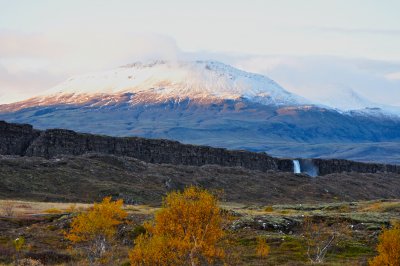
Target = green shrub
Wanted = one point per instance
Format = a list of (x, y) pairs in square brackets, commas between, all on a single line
[(137, 231)]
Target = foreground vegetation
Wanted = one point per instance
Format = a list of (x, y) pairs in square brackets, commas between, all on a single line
[(192, 228)]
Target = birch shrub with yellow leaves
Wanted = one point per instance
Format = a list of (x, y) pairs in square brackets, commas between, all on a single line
[(388, 247), (93, 231), (185, 231)]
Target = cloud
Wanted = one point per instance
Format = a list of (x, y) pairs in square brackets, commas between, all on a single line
[(24, 84), (18, 45), (393, 76), (76, 51), (360, 31), (32, 63), (326, 78)]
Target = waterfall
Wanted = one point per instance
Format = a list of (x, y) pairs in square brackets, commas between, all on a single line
[(296, 166)]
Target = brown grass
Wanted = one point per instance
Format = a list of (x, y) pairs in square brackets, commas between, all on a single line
[(7, 208), (384, 206), (26, 208)]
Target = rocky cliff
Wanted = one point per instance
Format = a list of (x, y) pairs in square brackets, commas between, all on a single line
[(16, 138), (339, 166), (23, 140)]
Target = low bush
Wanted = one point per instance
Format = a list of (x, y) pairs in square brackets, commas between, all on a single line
[(7, 208), (388, 247), (263, 249), (269, 209), (137, 231)]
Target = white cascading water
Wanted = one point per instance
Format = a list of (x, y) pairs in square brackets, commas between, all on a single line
[(296, 167)]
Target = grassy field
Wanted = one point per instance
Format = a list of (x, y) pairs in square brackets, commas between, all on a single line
[(42, 225)]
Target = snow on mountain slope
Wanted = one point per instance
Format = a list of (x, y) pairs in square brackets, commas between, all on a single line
[(197, 81), (343, 98), (161, 80), (347, 100)]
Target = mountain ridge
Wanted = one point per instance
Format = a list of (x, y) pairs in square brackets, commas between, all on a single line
[(210, 103)]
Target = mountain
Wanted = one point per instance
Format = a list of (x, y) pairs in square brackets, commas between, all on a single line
[(207, 102), (345, 99), (161, 81)]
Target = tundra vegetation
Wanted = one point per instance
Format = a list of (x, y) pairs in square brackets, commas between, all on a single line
[(192, 227)]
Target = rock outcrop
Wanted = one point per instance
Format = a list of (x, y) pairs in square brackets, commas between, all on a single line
[(23, 140), (328, 166), (16, 138)]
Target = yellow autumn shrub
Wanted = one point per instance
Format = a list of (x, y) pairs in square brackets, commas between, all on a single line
[(96, 228), (185, 231), (263, 248), (388, 247)]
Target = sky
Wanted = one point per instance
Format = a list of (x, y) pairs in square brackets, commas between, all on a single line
[(315, 48)]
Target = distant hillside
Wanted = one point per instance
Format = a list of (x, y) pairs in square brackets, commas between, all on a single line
[(210, 103), (86, 178)]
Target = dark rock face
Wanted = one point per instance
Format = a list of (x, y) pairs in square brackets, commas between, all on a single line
[(339, 166), (16, 138), (23, 140), (55, 142)]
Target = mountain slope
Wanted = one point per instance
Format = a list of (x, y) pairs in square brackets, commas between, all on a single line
[(208, 103), (160, 81), (347, 100)]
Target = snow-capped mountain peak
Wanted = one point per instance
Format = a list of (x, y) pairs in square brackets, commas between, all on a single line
[(196, 80), (207, 103)]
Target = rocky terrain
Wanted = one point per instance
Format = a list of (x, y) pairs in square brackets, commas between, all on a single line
[(23, 140), (85, 178), (62, 165)]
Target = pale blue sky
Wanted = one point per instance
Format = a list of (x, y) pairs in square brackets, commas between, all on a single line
[(42, 42)]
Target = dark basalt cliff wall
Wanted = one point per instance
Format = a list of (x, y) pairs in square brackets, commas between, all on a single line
[(16, 138), (56, 142), (23, 140), (329, 166)]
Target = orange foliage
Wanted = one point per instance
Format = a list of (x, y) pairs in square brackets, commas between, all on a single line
[(97, 227), (185, 231), (155, 250), (263, 248), (388, 247)]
